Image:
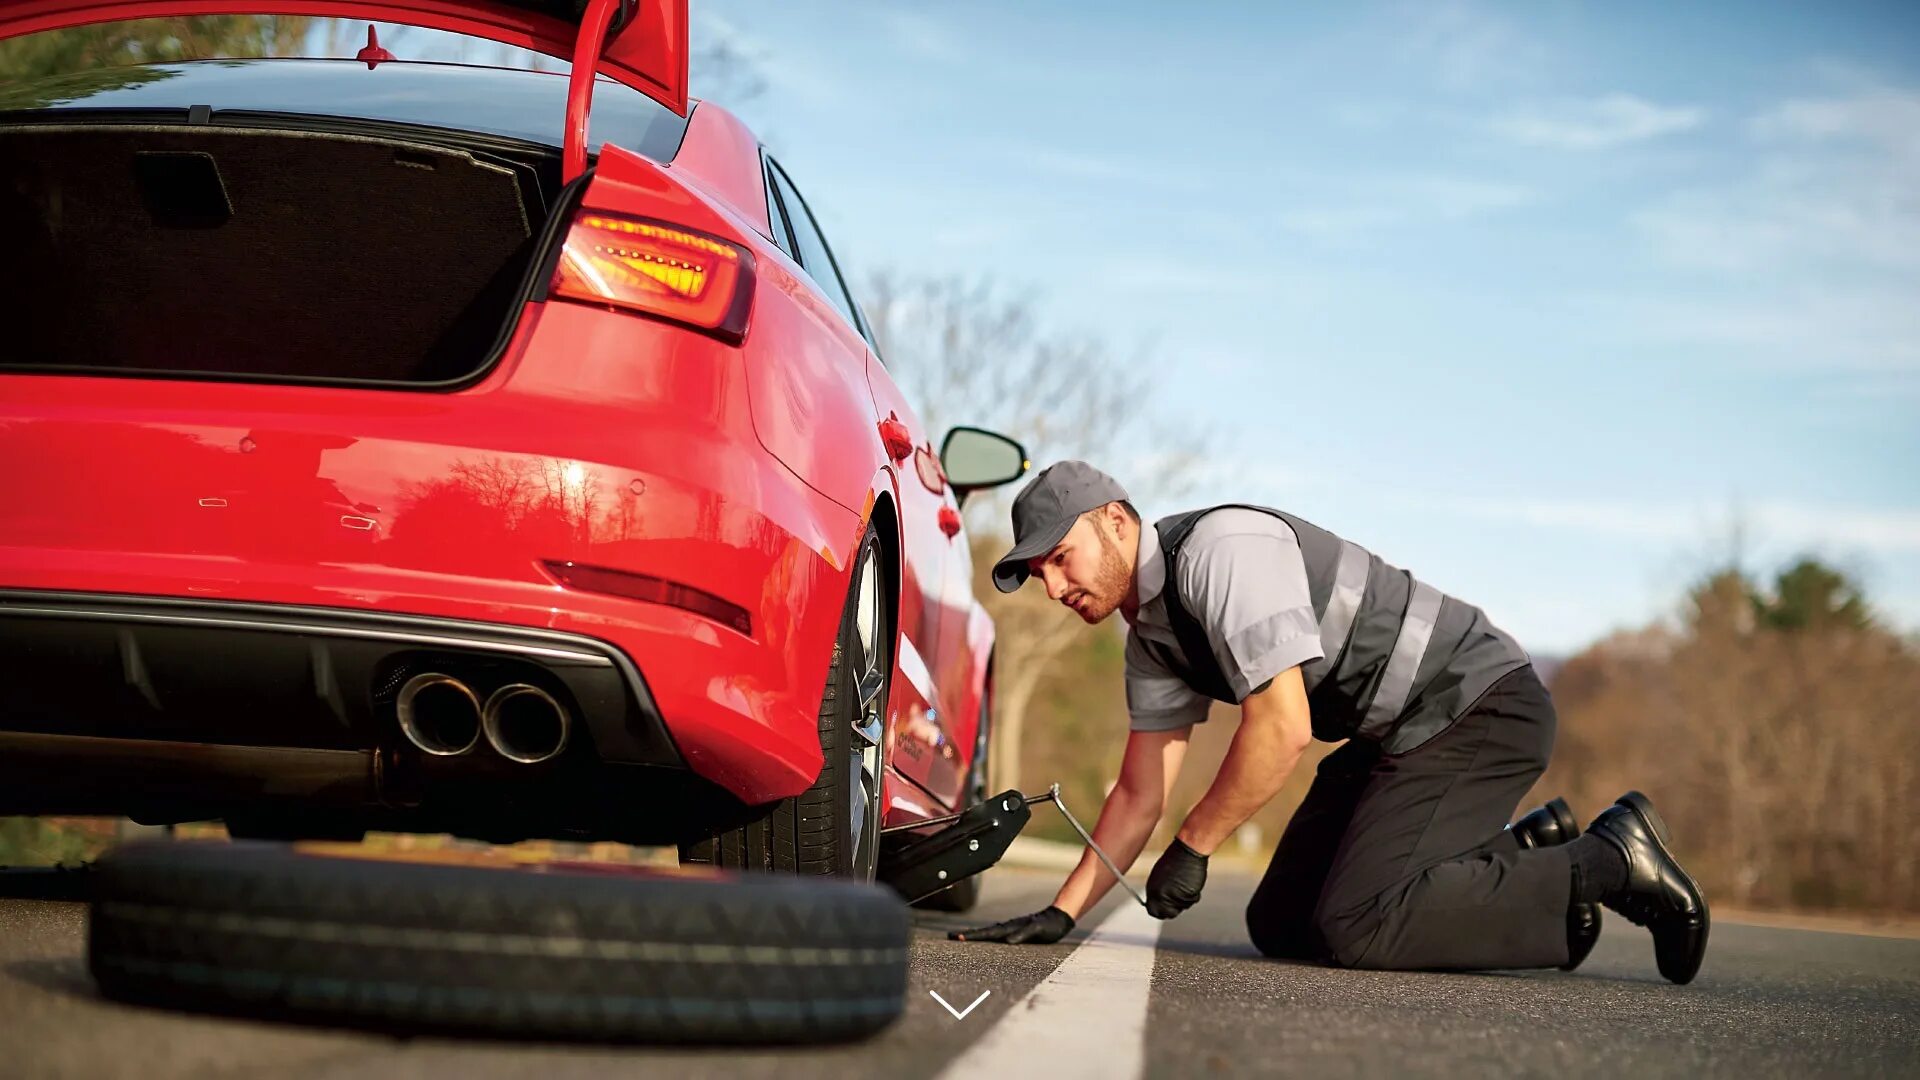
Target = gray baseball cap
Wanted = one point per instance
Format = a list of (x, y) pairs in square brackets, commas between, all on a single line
[(1043, 512)]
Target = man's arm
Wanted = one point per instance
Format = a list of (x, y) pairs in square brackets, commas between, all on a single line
[(1275, 728), (1128, 817)]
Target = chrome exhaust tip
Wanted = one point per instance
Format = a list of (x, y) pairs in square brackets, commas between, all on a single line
[(439, 714), (525, 724)]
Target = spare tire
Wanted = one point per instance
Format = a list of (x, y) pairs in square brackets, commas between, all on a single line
[(473, 940)]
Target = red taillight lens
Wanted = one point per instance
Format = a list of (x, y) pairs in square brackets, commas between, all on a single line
[(658, 269), (653, 590)]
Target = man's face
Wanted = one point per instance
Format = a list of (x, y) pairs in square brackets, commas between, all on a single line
[(1086, 570)]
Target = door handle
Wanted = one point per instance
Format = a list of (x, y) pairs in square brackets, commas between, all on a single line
[(950, 521), (893, 434)]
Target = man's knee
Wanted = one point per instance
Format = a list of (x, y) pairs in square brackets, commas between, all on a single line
[(1282, 933), (1348, 934), (1296, 932)]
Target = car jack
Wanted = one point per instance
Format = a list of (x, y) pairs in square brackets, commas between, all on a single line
[(973, 841)]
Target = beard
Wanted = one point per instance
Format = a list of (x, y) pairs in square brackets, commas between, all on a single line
[(1110, 583)]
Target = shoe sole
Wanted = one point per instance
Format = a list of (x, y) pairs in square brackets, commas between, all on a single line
[(1643, 808)]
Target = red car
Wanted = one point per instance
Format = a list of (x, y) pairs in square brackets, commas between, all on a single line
[(381, 449)]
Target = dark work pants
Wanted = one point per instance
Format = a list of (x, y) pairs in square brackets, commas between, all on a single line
[(1403, 861)]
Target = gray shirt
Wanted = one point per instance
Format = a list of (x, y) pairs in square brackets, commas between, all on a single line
[(1243, 578)]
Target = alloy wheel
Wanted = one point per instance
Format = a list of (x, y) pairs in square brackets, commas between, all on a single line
[(871, 664)]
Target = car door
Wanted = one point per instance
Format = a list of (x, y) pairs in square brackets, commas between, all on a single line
[(927, 750), (920, 750)]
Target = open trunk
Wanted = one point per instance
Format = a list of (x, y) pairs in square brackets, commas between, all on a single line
[(262, 253)]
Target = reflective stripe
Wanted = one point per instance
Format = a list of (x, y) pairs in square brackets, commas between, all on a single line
[(1397, 681), (1349, 586)]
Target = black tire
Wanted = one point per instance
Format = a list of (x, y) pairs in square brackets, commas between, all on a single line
[(814, 833), (293, 827), (963, 895), (640, 955)]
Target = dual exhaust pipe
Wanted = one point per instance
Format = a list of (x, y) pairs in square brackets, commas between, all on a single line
[(442, 716)]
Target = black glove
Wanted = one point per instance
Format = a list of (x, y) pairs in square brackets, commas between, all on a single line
[(1176, 881), (1039, 928)]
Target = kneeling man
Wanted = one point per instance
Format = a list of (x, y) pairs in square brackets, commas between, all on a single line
[(1400, 856)]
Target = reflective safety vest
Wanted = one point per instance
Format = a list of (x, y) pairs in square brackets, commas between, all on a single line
[(1403, 660)]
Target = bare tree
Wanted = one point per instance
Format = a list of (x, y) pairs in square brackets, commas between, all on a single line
[(145, 41), (968, 354), (1775, 727)]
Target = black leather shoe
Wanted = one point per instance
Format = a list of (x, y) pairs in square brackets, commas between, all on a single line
[(1546, 826), (1550, 826), (1659, 895), (1583, 929)]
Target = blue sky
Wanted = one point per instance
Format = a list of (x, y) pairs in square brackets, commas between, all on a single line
[(1536, 300)]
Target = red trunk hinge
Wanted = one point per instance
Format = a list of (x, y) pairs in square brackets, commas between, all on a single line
[(602, 20)]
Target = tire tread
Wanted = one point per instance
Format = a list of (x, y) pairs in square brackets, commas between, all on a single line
[(260, 930)]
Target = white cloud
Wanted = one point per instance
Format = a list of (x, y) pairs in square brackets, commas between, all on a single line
[(1835, 179), (1796, 212), (1817, 233), (1866, 329), (1885, 119), (1880, 531), (1775, 522), (1596, 124)]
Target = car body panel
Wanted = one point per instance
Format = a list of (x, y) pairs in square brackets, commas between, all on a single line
[(722, 159)]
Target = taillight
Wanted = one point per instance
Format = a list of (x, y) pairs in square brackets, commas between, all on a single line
[(659, 269), (653, 590)]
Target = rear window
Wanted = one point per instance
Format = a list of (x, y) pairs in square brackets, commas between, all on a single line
[(438, 79)]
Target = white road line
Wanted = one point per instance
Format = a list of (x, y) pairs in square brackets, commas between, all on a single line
[(1086, 1020)]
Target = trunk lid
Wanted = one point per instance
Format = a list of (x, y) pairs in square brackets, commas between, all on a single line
[(642, 43)]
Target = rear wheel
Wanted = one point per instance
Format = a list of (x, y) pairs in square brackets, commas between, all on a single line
[(832, 828)]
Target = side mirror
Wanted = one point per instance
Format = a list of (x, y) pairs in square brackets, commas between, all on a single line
[(974, 459)]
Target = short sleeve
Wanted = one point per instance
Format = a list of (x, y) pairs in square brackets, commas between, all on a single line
[(1157, 700), (1248, 588)]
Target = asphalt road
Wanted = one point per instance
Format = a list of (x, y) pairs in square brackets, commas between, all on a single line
[(1196, 1002)]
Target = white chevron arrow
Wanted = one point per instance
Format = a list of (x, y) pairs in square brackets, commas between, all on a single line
[(959, 1014)]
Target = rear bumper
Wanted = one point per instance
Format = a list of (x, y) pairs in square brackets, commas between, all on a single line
[(601, 440), (267, 675), (168, 710)]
